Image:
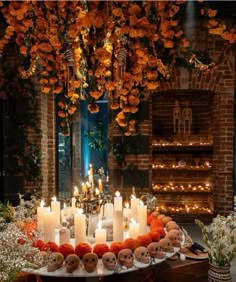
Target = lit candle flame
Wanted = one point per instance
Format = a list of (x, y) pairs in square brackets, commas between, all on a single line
[(54, 198), (127, 205), (99, 225), (79, 211), (64, 205), (117, 194), (133, 197), (132, 220), (141, 203), (97, 191), (42, 203)]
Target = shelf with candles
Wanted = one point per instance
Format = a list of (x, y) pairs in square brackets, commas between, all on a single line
[(183, 188), (184, 209), (181, 167)]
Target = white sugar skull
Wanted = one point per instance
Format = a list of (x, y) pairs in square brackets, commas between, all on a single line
[(56, 260), (174, 236), (90, 261), (41, 258), (72, 263), (166, 245), (109, 261), (141, 254), (154, 250), (126, 258), (171, 225)]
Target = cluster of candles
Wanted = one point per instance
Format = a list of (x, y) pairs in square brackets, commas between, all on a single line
[(181, 188), (51, 219), (185, 209), (195, 142)]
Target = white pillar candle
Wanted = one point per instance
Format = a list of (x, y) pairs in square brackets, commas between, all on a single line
[(56, 208), (142, 217), (40, 217), (66, 213), (73, 202), (108, 210), (64, 236), (133, 229), (118, 226), (49, 226), (100, 234), (80, 227), (117, 202), (134, 204), (127, 211)]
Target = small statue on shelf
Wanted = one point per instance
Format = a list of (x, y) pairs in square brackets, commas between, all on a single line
[(187, 119), (177, 117)]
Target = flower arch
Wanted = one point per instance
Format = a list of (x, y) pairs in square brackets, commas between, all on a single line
[(88, 48)]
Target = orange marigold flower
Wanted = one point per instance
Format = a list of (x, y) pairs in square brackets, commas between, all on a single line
[(134, 9), (71, 110), (61, 105), (53, 80), (23, 50), (58, 89), (179, 33), (51, 246), (168, 43), (211, 13), (61, 114), (66, 249), (117, 12), (101, 249), (115, 247), (45, 47), (152, 85), (212, 23), (124, 91), (129, 243), (133, 100), (133, 20), (184, 43), (144, 240), (110, 85), (114, 105), (152, 75), (95, 94), (74, 97), (93, 108), (46, 89), (43, 80), (82, 248)]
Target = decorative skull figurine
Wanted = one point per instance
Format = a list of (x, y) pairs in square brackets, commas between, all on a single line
[(56, 260), (171, 225), (90, 261), (154, 250), (166, 245), (41, 258), (141, 254), (109, 261), (72, 263), (126, 258), (174, 236)]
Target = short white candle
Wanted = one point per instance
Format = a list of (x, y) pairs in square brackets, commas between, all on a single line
[(108, 210), (142, 217), (134, 204), (64, 236), (56, 208), (49, 226), (80, 227), (117, 202), (133, 229), (100, 234), (127, 211), (118, 226)]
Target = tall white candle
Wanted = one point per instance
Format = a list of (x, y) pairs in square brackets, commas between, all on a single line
[(118, 226), (49, 226), (133, 229), (80, 227), (56, 208), (108, 210), (40, 216), (117, 202), (100, 234), (127, 211), (142, 217), (134, 204)]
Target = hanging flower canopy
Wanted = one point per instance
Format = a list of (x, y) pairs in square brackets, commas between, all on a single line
[(86, 49)]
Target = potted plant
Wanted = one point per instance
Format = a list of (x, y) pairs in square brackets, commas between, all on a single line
[(220, 242)]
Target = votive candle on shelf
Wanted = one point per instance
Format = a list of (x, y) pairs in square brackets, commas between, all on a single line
[(100, 234), (56, 208), (118, 226), (134, 204), (80, 227), (117, 202), (108, 210), (49, 226), (133, 229), (142, 217)]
